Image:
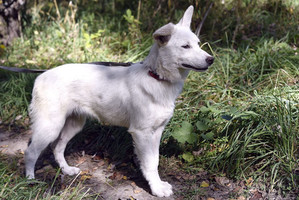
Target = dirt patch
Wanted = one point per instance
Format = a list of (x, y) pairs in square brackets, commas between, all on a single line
[(111, 180), (12, 142)]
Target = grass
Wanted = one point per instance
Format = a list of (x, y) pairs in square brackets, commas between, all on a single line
[(245, 114), (14, 186), (242, 113)]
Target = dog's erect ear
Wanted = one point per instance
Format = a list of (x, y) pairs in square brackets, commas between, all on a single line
[(187, 18), (163, 34)]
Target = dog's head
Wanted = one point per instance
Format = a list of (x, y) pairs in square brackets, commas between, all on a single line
[(178, 47)]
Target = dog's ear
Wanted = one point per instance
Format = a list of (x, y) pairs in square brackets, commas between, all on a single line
[(163, 34), (187, 18)]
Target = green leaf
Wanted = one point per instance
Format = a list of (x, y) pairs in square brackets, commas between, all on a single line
[(188, 157), (185, 133), (214, 110), (204, 109), (233, 110), (208, 136), (202, 126)]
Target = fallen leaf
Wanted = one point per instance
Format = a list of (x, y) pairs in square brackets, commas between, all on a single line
[(80, 161), (189, 177), (136, 191), (223, 181), (249, 182), (238, 190), (96, 158), (95, 168), (256, 196), (241, 198), (20, 151), (210, 198), (111, 166), (101, 163), (85, 177), (63, 186), (84, 172), (204, 184), (133, 184), (18, 117), (116, 176)]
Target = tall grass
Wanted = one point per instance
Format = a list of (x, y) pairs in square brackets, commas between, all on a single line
[(265, 140), (245, 113), (15, 96)]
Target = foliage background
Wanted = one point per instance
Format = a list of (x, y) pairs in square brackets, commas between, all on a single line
[(240, 118)]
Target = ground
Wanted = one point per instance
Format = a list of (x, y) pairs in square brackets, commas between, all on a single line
[(123, 180)]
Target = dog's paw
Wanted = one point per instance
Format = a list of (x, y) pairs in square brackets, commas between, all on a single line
[(161, 189), (71, 171), (30, 176)]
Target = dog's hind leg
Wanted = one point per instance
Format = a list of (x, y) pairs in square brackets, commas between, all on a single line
[(73, 125), (44, 133), (146, 143)]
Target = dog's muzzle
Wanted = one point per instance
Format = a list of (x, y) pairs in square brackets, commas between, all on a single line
[(210, 60)]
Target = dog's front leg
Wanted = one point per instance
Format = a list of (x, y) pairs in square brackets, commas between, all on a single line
[(146, 143)]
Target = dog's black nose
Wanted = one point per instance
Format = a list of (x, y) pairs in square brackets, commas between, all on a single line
[(210, 60)]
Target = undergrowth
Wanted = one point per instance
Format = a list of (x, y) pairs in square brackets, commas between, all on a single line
[(14, 186), (239, 118)]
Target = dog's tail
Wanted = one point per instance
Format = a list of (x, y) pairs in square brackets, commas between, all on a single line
[(22, 70)]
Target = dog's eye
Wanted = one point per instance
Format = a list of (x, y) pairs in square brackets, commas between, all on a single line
[(187, 46)]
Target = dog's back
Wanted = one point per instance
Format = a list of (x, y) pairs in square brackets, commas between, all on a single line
[(82, 89)]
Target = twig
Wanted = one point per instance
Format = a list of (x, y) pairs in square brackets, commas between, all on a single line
[(139, 8), (57, 10), (198, 29)]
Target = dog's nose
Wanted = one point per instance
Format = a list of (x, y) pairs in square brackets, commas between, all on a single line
[(210, 60)]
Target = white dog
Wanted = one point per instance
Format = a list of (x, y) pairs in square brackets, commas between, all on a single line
[(140, 97)]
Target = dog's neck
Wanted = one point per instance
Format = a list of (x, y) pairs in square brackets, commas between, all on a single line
[(157, 70), (155, 76)]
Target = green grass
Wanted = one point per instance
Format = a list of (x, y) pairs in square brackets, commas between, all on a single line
[(15, 187), (244, 112), (15, 95), (242, 115)]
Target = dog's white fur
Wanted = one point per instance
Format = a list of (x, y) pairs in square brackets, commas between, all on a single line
[(124, 96)]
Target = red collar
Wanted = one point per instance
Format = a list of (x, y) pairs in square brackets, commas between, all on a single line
[(155, 76)]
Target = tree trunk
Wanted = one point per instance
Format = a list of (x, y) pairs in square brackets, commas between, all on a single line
[(10, 23)]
